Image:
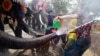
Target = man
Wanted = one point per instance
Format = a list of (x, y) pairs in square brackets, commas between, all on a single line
[(51, 16), (83, 42)]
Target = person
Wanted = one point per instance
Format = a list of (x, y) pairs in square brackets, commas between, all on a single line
[(51, 16), (84, 40), (72, 36), (41, 5)]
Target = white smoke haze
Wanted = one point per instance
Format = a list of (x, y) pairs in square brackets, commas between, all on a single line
[(92, 7)]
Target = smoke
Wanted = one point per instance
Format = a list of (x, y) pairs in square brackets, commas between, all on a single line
[(92, 5), (84, 16)]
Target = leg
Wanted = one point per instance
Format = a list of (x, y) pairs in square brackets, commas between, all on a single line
[(18, 31), (11, 26), (1, 25), (63, 38), (25, 28)]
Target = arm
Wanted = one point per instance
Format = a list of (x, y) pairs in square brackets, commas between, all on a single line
[(68, 16), (63, 22)]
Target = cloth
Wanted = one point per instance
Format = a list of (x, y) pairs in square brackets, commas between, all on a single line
[(81, 45)]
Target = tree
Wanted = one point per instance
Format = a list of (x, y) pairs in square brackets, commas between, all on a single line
[(59, 6)]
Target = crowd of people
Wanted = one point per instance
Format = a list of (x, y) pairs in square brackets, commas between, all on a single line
[(73, 43), (76, 42)]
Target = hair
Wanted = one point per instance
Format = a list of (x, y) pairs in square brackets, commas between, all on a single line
[(50, 11)]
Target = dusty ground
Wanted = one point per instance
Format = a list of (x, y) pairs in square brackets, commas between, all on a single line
[(94, 50)]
